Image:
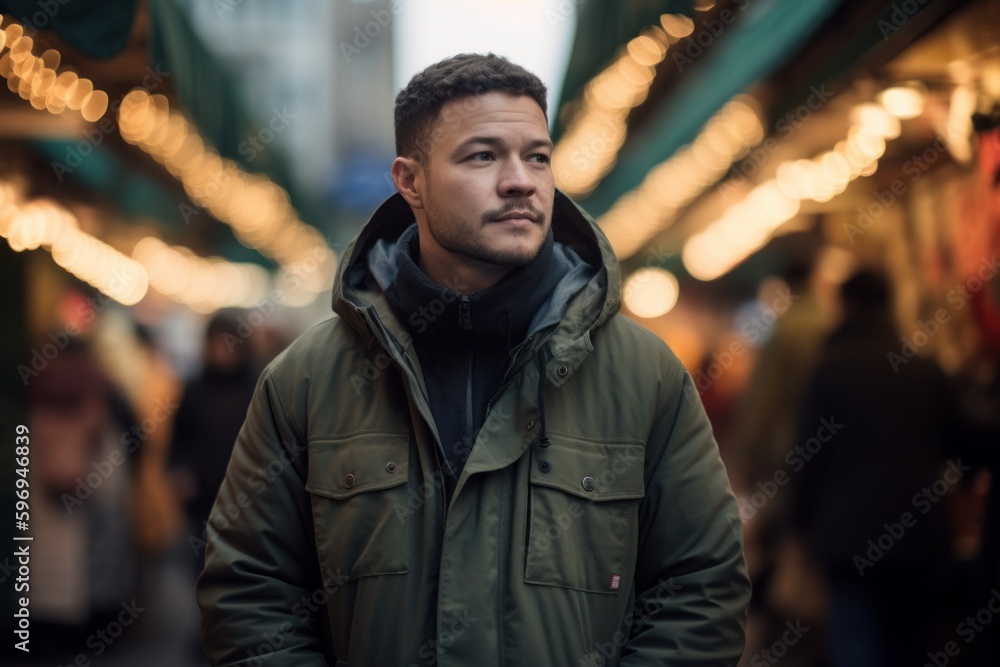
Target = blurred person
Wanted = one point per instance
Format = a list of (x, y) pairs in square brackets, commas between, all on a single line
[(870, 477), (763, 432), (978, 513), (211, 411), (84, 563), (477, 457), (768, 414)]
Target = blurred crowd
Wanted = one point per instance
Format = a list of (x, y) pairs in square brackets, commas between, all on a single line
[(126, 460), (863, 474)]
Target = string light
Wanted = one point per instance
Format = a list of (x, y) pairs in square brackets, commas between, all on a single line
[(745, 227), (588, 150), (37, 79), (256, 208), (669, 187), (203, 284), (44, 223)]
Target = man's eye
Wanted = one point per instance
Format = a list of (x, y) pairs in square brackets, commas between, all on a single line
[(540, 158), (482, 156)]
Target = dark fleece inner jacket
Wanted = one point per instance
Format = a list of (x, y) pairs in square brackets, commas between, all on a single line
[(464, 341)]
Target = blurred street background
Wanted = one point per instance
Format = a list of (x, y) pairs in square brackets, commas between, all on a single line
[(804, 197)]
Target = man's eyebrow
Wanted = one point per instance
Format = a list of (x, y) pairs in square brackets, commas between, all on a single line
[(497, 141)]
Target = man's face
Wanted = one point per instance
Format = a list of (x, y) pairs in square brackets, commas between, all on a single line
[(485, 187)]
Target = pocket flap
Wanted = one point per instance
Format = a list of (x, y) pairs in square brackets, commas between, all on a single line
[(597, 471), (344, 467)]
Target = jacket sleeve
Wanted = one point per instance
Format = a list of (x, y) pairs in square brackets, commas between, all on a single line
[(692, 587), (261, 578)]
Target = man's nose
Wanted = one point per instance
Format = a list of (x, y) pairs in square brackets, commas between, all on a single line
[(515, 179)]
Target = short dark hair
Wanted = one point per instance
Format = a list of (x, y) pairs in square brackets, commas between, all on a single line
[(467, 74)]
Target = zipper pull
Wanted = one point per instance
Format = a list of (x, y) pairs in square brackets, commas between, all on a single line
[(464, 318)]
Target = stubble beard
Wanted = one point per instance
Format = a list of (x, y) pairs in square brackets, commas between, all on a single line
[(448, 233)]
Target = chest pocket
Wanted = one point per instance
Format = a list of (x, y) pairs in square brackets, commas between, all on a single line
[(358, 485), (583, 505)]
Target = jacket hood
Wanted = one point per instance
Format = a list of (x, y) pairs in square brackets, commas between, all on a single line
[(368, 265)]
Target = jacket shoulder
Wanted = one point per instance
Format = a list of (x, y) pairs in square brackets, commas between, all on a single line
[(321, 359), (622, 333)]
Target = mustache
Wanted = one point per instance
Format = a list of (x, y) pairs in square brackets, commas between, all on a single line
[(510, 207)]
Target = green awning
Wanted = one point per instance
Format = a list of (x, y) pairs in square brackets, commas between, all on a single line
[(99, 28), (762, 39), (601, 29), (757, 43)]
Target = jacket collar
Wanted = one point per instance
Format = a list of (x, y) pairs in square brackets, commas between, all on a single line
[(583, 300)]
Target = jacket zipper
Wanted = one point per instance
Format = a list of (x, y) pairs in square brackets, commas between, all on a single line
[(444, 494), (501, 565), (503, 379), (389, 340), (465, 320)]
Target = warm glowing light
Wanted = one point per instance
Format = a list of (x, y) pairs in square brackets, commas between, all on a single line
[(747, 225), (904, 101), (673, 184), (650, 292), (875, 117), (677, 26)]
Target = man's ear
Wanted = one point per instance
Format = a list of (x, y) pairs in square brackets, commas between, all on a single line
[(406, 176)]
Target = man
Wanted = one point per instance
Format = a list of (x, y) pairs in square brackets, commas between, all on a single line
[(477, 461)]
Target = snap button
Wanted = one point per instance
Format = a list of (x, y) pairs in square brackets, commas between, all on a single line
[(544, 466), (531, 424), (562, 371), (349, 480), (390, 467), (588, 483)]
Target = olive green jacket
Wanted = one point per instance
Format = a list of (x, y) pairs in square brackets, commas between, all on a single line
[(612, 540)]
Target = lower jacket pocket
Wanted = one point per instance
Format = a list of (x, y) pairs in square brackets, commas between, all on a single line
[(584, 502), (358, 483)]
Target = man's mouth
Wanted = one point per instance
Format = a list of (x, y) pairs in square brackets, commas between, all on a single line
[(518, 218)]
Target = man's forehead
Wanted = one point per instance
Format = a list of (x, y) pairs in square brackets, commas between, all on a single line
[(492, 107)]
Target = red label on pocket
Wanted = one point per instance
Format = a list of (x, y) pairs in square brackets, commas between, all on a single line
[(616, 581)]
